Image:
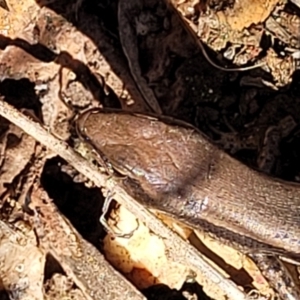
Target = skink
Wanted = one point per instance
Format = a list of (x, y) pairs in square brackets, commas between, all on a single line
[(171, 166)]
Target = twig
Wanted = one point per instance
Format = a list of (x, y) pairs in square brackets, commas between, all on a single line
[(178, 249)]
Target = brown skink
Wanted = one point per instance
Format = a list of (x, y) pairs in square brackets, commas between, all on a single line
[(171, 166)]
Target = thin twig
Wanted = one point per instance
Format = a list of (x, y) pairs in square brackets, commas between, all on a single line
[(177, 248)]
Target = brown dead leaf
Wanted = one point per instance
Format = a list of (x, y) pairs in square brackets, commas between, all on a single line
[(282, 68), (17, 150), (247, 12), (19, 17), (237, 260), (22, 266)]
